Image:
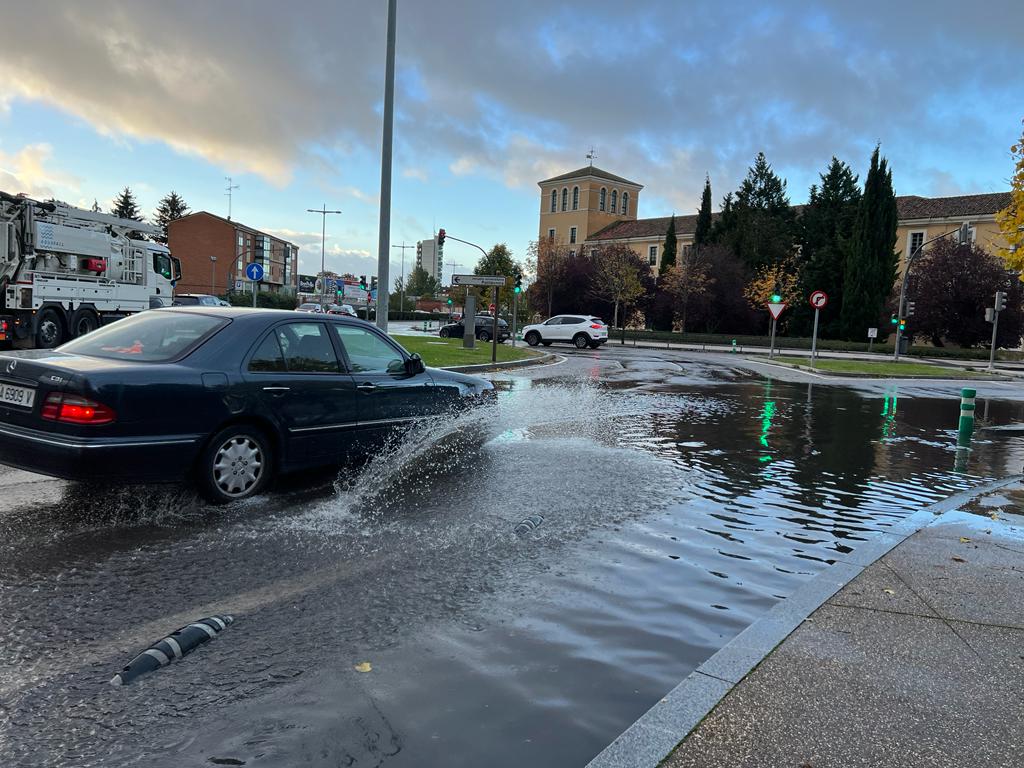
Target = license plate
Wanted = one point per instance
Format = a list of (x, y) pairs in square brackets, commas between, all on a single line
[(23, 397)]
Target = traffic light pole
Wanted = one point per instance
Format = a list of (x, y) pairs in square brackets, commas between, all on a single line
[(494, 335), (515, 306), (995, 329)]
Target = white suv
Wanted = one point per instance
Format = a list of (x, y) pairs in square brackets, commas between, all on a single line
[(579, 330)]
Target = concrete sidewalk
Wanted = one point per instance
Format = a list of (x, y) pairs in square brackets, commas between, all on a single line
[(918, 661)]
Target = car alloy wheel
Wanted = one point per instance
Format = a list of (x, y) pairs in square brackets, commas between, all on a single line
[(238, 466), (581, 341), (533, 338), (443, 333)]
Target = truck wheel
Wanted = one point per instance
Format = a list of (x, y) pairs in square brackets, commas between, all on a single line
[(83, 321), (49, 329), (236, 464)]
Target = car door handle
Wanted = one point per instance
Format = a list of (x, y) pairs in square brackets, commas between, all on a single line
[(367, 387), (277, 390)]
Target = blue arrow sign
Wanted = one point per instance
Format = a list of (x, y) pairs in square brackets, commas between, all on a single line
[(254, 271)]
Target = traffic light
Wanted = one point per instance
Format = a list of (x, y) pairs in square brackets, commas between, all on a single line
[(450, 302), (903, 324), (440, 238), (518, 288), (362, 282), (894, 320), (910, 309), (1000, 301), (373, 283), (776, 298)]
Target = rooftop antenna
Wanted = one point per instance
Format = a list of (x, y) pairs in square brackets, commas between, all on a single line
[(590, 156), (228, 193)]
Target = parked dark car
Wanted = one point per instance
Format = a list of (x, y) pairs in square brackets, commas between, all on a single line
[(197, 299), (484, 329), (224, 397)]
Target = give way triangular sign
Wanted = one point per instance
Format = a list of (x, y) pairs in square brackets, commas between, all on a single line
[(776, 309)]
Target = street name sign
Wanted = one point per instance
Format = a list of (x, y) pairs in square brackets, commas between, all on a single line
[(498, 280), (776, 309), (819, 299), (254, 271)]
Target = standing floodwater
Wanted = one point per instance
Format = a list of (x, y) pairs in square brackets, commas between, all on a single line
[(664, 518)]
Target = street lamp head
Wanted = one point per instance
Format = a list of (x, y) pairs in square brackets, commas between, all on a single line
[(213, 258)]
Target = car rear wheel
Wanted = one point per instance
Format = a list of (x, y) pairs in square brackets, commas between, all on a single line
[(237, 464), (533, 338), (580, 341)]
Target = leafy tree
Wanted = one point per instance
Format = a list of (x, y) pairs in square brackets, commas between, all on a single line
[(125, 206), (689, 279), (951, 285), (172, 206), (827, 226), (703, 231), (871, 259), (547, 259), (618, 276), (1011, 219), (760, 227), (722, 308), (668, 250), (773, 279), (420, 283)]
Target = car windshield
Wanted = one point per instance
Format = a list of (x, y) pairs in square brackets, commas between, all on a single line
[(152, 337), (311, 307)]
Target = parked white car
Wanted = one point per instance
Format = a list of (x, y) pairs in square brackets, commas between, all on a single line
[(579, 330)]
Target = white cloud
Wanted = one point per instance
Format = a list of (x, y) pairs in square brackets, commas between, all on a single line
[(28, 171)]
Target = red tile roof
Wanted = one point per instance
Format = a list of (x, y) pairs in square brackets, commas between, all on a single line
[(591, 170), (914, 207)]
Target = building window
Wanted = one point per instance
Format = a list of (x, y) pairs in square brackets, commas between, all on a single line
[(652, 255), (572, 234), (240, 240), (916, 238), (687, 249), (551, 234), (625, 203), (604, 195), (554, 200), (593, 253), (575, 198), (615, 201), (565, 199)]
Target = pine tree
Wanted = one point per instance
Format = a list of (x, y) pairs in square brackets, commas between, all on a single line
[(96, 206), (171, 207), (703, 231), (826, 228), (871, 260), (125, 206), (668, 250)]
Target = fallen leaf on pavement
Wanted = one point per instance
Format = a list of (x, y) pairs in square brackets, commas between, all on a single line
[(958, 559), (964, 539), (364, 666), (889, 591)]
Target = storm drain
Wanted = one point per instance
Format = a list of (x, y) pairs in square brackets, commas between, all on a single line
[(174, 646)]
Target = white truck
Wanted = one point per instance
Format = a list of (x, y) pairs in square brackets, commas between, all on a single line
[(64, 271)]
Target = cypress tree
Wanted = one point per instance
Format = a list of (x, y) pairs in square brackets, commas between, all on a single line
[(703, 231), (871, 260), (668, 250)]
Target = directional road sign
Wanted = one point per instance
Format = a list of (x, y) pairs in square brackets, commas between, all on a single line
[(498, 280), (819, 299), (776, 309), (238, 285), (872, 333), (254, 271)]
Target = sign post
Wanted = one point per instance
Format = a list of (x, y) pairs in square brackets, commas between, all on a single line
[(494, 334), (775, 308), (469, 322), (872, 335), (819, 300), (254, 271)]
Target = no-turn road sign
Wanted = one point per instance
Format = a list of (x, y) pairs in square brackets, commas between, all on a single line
[(819, 299)]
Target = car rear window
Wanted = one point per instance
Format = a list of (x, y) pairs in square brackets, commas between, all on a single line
[(153, 337)]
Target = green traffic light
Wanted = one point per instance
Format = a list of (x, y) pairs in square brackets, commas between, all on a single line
[(894, 321), (776, 298), (517, 289)]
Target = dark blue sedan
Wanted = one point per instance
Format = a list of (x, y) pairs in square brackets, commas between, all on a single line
[(224, 397)]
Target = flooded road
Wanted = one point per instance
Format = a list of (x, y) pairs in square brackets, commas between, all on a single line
[(519, 584)]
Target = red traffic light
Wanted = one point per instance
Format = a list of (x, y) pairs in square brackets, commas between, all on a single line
[(440, 237)]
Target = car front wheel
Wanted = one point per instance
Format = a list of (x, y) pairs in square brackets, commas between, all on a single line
[(484, 336), (237, 464), (443, 333), (533, 338)]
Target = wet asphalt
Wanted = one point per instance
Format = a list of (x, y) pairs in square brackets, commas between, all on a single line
[(512, 588)]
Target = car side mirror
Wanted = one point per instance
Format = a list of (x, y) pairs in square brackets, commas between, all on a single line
[(414, 365)]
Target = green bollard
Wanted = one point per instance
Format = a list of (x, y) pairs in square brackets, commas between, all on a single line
[(734, 346), (963, 438)]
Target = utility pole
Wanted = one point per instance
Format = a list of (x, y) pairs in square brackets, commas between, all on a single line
[(404, 247), (213, 275), (230, 187), (323, 245), (384, 239)]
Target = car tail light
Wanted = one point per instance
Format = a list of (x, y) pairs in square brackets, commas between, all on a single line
[(72, 409), (595, 325)]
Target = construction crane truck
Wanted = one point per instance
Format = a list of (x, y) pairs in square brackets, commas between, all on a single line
[(64, 271)]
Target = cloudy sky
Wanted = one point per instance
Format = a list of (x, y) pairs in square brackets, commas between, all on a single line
[(491, 97)]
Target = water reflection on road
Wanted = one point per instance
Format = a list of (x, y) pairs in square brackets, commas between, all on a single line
[(666, 517)]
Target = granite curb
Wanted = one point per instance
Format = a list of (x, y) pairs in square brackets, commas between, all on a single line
[(649, 740), (541, 360)]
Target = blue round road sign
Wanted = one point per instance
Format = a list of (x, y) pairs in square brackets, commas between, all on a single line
[(254, 271)]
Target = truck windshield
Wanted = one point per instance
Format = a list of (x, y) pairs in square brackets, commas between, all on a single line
[(154, 336)]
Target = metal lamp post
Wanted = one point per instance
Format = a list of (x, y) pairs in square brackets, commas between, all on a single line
[(403, 247), (323, 244), (213, 275), (964, 231)]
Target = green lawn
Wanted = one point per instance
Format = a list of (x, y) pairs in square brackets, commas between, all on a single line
[(880, 368), (440, 353)]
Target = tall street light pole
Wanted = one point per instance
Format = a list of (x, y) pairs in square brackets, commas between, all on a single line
[(384, 239), (323, 245), (401, 307), (213, 275)]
